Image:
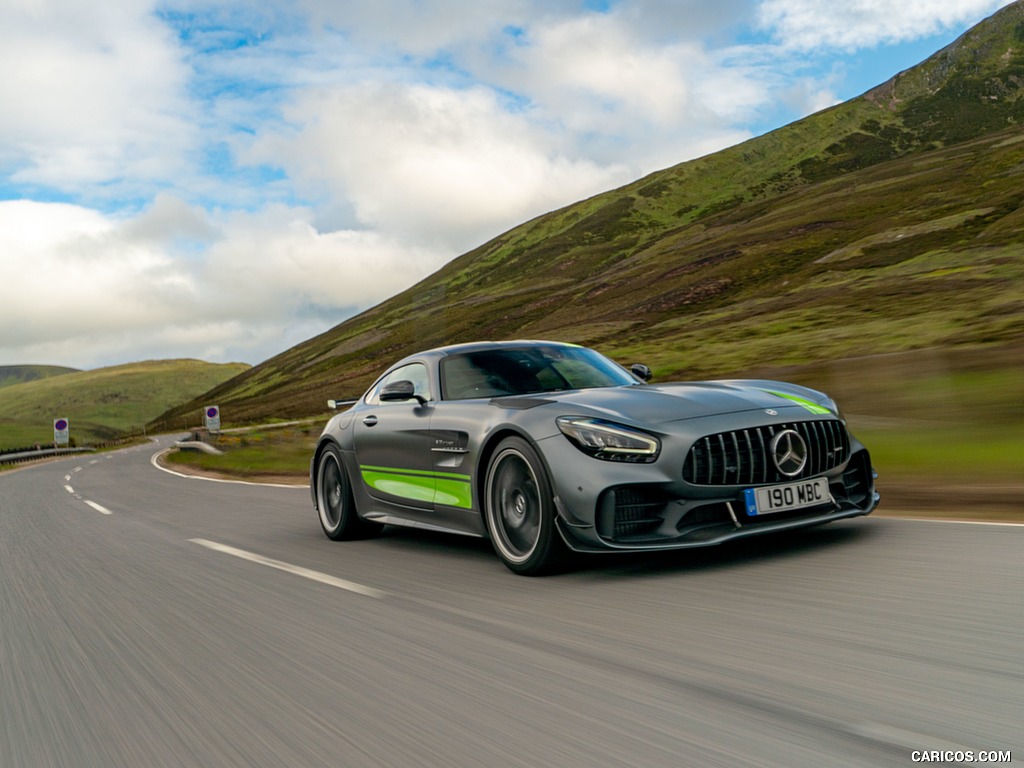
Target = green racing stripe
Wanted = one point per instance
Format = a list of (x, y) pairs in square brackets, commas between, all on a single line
[(810, 405), (446, 488)]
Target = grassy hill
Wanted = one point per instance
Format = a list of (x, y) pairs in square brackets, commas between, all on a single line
[(16, 374), (888, 224), (104, 404)]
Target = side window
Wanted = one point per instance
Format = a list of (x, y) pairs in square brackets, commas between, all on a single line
[(414, 372)]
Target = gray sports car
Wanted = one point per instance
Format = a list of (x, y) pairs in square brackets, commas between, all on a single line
[(546, 447)]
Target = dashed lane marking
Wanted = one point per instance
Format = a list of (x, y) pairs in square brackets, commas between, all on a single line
[(98, 507)]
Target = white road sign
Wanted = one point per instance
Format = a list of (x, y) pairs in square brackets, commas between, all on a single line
[(211, 418), (61, 430)]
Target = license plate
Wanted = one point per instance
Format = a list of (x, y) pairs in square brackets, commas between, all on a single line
[(782, 498)]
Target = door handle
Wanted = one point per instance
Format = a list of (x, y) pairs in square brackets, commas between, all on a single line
[(370, 420)]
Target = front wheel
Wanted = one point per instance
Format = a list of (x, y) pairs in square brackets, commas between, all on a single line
[(334, 501), (520, 510)]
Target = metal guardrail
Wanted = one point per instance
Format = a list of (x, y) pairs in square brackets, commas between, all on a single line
[(197, 445), (16, 458)]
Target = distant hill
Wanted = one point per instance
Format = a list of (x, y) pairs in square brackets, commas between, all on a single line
[(892, 222), (104, 404), (17, 374)]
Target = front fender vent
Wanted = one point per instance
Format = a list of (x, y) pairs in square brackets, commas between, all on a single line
[(742, 457)]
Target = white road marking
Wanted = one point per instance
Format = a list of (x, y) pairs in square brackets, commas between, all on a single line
[(306, 573), (98, 507), (951, 522), (69, 489), (155, 463)]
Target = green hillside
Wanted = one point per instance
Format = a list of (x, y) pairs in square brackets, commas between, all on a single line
[(888, 224), (104, 404), (16, 374)]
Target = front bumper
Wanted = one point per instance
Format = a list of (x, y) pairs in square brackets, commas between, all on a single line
[(604, 506)]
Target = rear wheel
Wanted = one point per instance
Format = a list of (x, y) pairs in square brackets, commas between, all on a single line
[(520, 510), (334, 501)]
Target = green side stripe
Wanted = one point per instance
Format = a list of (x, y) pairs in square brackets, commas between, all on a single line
[(403, 485), (453, 490), (454, 493), (810, 405)]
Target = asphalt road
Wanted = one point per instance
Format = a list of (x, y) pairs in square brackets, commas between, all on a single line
[(152, 620)]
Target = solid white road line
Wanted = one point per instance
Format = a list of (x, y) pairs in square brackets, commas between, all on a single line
[(306, 573), (98, 507), (951, 522), (155, 463)]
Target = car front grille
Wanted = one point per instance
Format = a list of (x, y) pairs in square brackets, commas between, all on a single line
[(743, 457)]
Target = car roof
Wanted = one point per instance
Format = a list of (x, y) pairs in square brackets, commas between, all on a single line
[(477, 346)]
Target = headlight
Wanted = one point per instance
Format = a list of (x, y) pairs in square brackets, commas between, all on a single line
[(609, 441)]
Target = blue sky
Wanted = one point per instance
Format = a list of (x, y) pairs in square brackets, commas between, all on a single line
[(223, 180)]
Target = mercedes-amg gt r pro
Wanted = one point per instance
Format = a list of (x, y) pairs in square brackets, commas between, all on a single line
[(545, 447)]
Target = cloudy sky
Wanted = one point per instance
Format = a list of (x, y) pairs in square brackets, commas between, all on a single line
[(223, 180)]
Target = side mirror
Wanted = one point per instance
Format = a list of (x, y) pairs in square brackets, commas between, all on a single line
[(398, 391), (641, 371)]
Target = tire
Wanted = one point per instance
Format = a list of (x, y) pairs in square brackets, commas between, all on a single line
[(519, 508), (335, 503)]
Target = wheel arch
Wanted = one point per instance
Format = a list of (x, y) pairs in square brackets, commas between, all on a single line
[(487, 450), (314, 464)]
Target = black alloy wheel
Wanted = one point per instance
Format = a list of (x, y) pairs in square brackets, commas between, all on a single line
[(520, 510)]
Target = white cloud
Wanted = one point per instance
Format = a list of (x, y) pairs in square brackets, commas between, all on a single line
[(177, 282), (808, 24), (67, 271), (430, 164), (594, 59), (91, 92), (273, 262), (624, 89)]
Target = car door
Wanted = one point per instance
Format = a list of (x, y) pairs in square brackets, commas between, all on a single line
[(393, 443)]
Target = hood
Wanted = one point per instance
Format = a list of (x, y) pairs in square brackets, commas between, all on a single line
[(662, 403)]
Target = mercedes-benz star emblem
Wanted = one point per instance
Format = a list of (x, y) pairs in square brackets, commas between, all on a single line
[(789, 451)]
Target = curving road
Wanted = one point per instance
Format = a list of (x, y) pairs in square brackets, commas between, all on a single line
[(152, 620)]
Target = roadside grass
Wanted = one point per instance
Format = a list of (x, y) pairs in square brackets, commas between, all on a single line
[(282, 452), (947, 454)]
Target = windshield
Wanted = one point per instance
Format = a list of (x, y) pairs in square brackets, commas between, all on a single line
[(525, 370)]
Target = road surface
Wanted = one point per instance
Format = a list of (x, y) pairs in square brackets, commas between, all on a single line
[(152, 620)]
